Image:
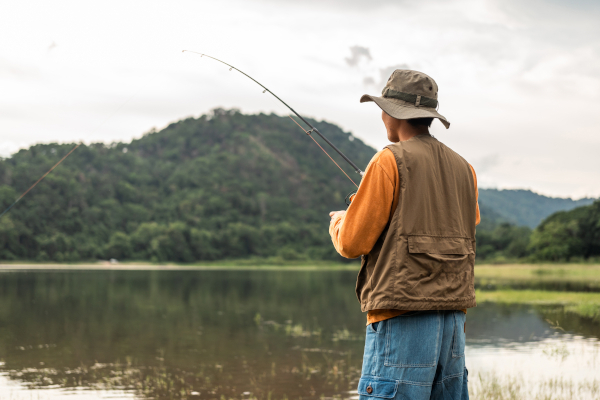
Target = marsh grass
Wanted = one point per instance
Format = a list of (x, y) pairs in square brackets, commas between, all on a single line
[(490, 386), (581, 303), (589, 273), (559, 352), (585, 277)]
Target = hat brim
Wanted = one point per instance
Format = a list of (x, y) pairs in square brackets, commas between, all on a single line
[(400, 109)]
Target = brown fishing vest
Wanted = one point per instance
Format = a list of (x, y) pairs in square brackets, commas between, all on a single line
[(425, 257)]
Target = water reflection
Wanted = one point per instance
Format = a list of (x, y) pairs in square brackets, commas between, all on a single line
[(216, 334), (500, 323)]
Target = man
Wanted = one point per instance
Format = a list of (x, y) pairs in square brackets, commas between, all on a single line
[(413, 221)]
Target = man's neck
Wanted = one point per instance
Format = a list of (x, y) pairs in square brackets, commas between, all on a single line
[(406, 131)]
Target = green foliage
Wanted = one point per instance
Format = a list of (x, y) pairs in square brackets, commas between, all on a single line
[(563, 236), (555, 241), (503, 242), (227, 186), (568, 234), (223, 185), (498, 240)]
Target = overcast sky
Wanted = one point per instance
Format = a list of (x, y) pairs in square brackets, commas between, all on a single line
[(518, 80)]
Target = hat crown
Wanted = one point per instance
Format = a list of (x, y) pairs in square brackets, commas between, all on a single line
[(412, 82)]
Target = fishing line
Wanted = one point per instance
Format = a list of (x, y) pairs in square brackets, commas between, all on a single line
[(318, 144), (69, 153), (231, 67), (308, 132), (39, 180), (305, 131)]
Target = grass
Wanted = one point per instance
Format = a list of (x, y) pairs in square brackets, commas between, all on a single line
[(492, 387), (520, 272), (584, 304), (540, 272)]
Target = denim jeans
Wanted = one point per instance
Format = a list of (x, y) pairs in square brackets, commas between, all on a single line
[(419, 355)]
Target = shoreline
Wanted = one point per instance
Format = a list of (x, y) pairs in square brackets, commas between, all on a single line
[(486, 270), (169, 267)]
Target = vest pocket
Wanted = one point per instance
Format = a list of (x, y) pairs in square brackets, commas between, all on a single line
[(436, 269), (439, 245)]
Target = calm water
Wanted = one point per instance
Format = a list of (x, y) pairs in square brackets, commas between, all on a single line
[(238, 334)]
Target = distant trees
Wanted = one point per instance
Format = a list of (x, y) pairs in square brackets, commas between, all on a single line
[(224, 185), (568, 235), (503, 242), (563, 236)]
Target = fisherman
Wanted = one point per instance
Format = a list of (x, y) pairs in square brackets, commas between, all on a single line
[(413, 221)]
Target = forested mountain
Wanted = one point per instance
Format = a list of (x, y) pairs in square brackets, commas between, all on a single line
[(224, 185), (523, 207), (509, 216), (565, 235)]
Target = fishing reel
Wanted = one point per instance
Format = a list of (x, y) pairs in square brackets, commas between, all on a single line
[(348, 199)]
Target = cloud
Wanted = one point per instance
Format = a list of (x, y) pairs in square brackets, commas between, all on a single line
[(519, 79), (385, 73), (368, 81), (19, 70), (487, 163), (358, 53), (357, 5)]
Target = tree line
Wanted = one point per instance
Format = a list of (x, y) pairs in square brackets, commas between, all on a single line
[(222, 186), (563, 236)]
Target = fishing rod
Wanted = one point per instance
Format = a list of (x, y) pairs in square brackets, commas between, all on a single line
[(308, 132), (39, 180), (67, 155), (311, 127)]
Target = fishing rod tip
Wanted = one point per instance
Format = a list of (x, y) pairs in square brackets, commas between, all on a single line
[(191, 51)]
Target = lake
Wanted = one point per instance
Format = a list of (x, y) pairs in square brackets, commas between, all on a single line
[(256, 334)]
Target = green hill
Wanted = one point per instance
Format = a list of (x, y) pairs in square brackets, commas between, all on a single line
[(224, 185), (567, 235)]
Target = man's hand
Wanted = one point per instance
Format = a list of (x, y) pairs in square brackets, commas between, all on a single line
[(333, 214)]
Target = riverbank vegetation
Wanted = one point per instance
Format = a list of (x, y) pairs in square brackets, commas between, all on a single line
[(492, 386), (583, 304), (563, 236), (588, 273), (574, 288)]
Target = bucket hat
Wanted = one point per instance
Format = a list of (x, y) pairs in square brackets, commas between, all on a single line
[(409, 94)]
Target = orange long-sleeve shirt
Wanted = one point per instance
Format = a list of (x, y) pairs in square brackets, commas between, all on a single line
[(355, 232)]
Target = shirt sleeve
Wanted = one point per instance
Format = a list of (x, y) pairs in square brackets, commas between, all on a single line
[(478, 217), (355, 232)]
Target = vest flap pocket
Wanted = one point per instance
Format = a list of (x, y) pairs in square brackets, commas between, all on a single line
[(377, 387), (439, 245)]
